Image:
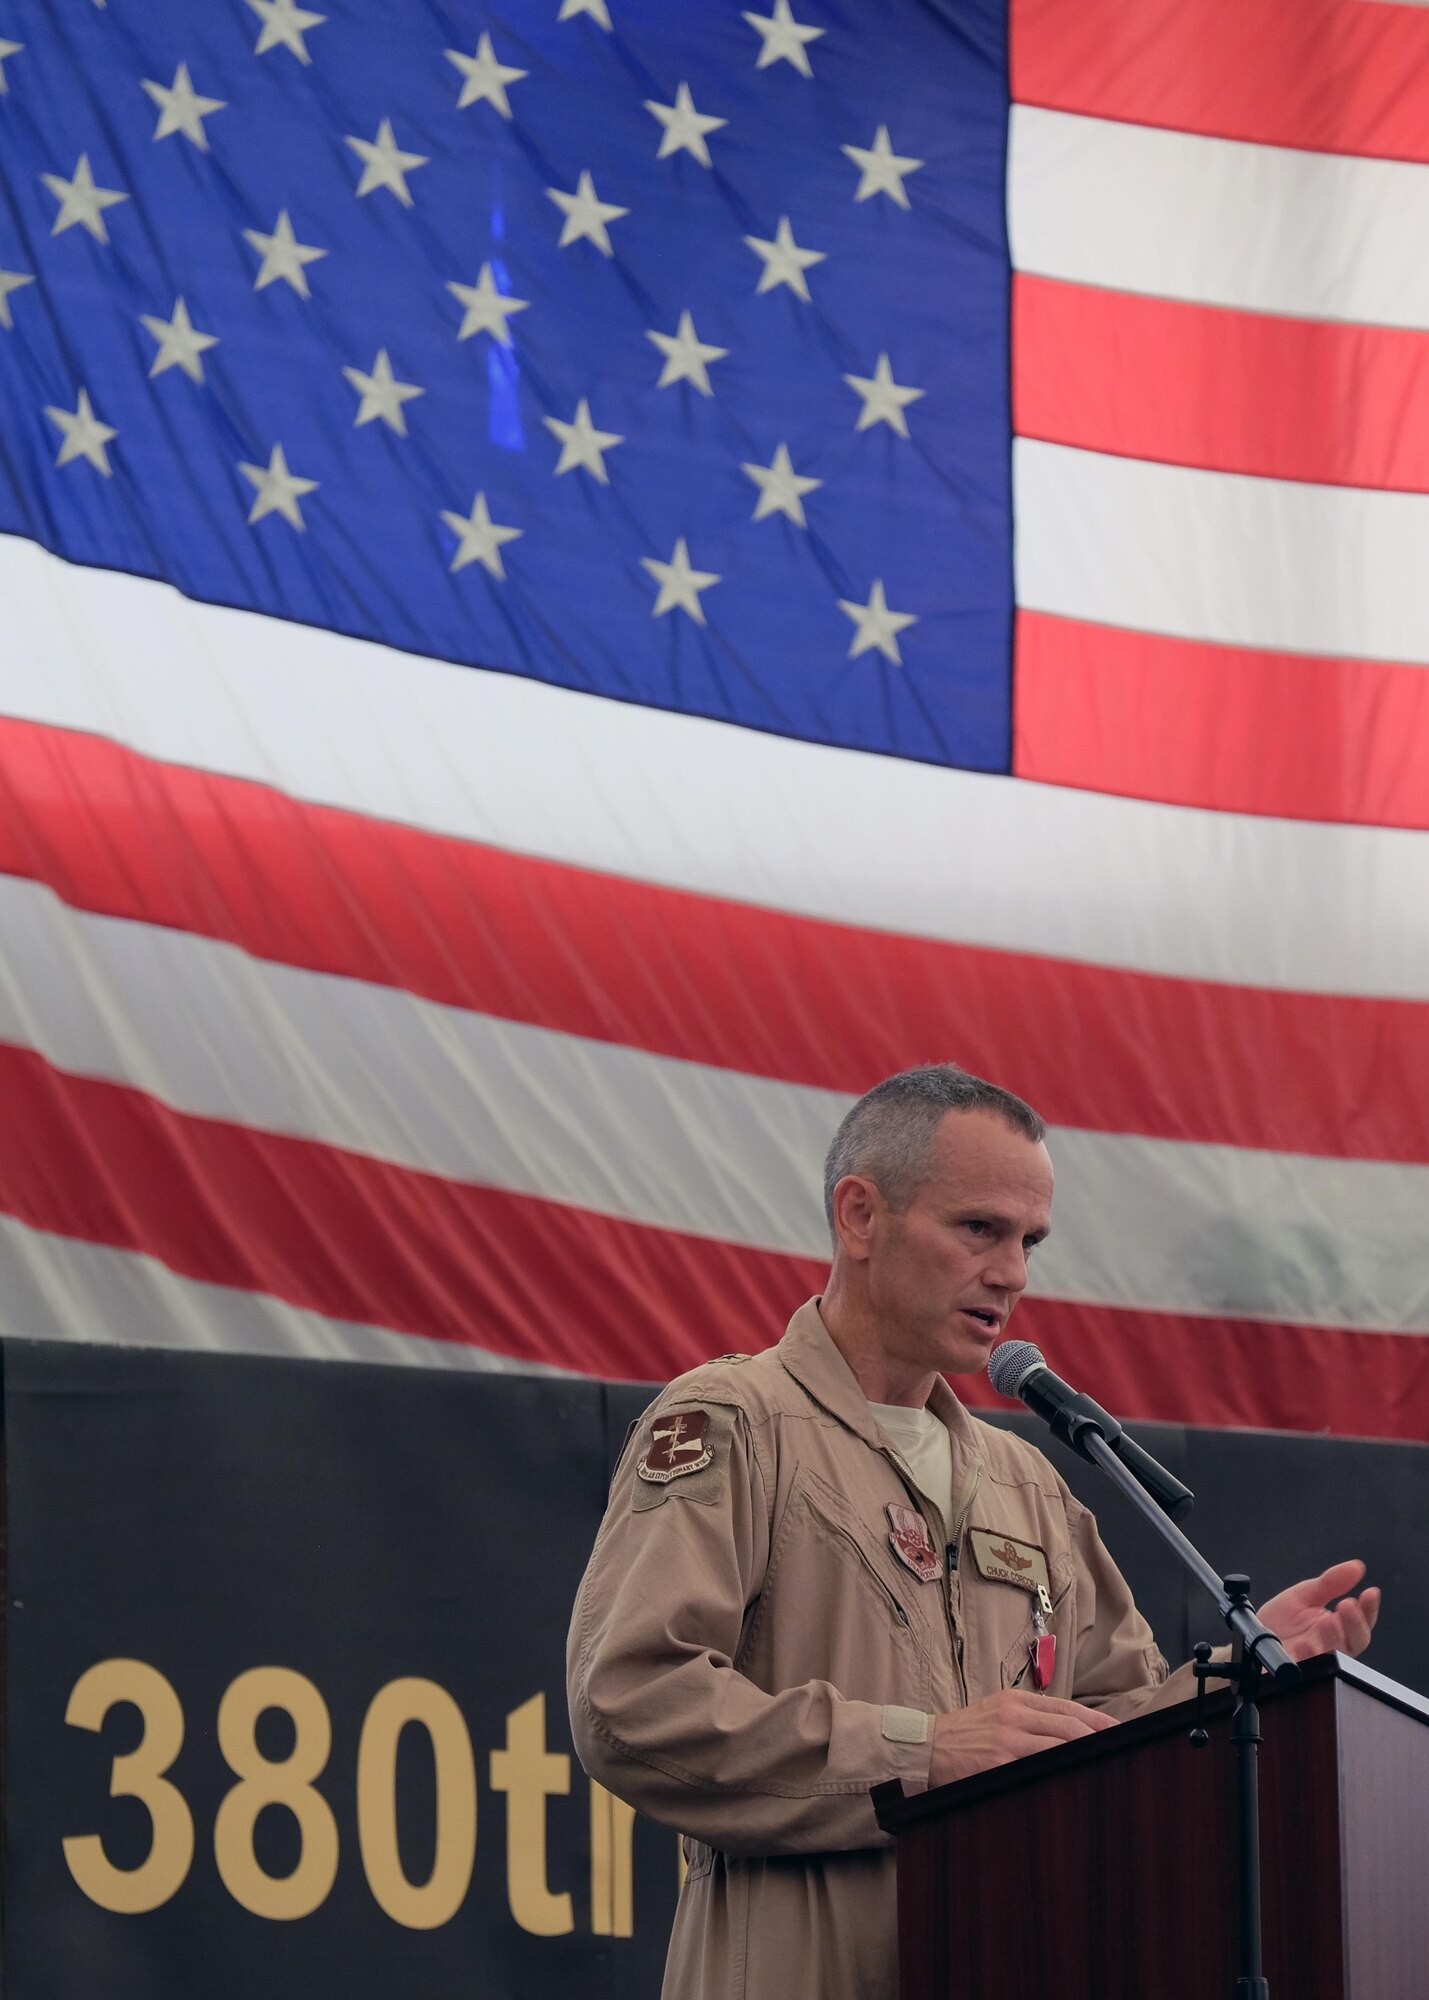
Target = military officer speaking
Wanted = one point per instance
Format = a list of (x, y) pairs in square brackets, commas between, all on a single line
[(817, 1571)]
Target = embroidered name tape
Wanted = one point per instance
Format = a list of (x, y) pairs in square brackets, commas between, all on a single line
[(1002, 1560)]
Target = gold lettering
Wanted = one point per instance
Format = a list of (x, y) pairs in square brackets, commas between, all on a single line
[(529, 1774), (262, 1782), (420, 1906), (612, 1824), (137, 1775)]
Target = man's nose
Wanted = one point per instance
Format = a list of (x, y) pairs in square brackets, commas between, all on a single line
[(1006, 1269)]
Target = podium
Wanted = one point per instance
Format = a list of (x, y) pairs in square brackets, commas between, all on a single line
[(1105, 1869)]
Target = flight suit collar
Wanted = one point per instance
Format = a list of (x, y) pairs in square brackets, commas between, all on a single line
[(810, 1356)]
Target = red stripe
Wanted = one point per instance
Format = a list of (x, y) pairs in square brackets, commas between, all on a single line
[(1174, 1368), (753, 990), (1232, 391), (1337, 76), (358, 1239), (1221, 726), (355, 1239)]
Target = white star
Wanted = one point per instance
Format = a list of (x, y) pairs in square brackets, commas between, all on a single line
[(382, 394), (384, 164), (181, 109), (11, 281), (180, 342), (684, 126), (784, 262), (882, 170), (7, 49), (582, 444), (484, 77), (277, 490), (284, 24), (685, 356), (784, 38), (597, 10), (487, 310), (883, 400), (680, 585), (586, 214), (81, 201), (84, 435), (283, 256), (481, 538), (781, 488), (876, 625)]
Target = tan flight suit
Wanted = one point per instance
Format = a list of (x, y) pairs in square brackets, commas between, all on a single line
[(749, 1654)]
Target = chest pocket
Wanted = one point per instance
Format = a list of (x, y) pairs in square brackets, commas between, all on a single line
[(828, 1610), (1017, 1661)]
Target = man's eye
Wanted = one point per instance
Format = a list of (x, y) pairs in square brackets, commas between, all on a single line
[(977, 1228)]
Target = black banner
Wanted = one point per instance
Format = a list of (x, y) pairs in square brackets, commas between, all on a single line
[(285, 1707), (308, 1621)]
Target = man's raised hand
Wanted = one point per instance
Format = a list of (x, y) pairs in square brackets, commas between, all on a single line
[(1303, 1624)]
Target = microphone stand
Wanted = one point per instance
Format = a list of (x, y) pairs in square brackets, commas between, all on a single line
[(1257, 1651)]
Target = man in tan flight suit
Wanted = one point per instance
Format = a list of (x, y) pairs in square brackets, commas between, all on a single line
[(817, 1572)]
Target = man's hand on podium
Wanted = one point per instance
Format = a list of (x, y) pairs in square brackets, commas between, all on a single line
[(1004, 1726), (1304, 1626)]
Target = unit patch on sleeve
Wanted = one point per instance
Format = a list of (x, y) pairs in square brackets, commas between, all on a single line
[(682, 1450), (1002, 1560), (679, 1444)]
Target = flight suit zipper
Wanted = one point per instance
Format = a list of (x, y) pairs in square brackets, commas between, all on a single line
[(955, 1618), (931, 1514)]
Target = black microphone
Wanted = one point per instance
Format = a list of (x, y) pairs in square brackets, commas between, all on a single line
[(1016, 1368)]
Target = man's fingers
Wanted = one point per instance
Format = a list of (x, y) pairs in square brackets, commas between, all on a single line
[(1355, 1626), (1051, 1704), (1063, 1721), (1353, 1634), (1327, 1632), (1334, 1581)]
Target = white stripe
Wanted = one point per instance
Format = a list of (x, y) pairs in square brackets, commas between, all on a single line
[(56, 1288), (1282, 564), (372, 1069), (1178, 1227), (1225, 1231), (1264, 228), (716, 810)]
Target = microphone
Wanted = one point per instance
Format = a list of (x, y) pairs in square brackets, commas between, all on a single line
[(1017, 1368)]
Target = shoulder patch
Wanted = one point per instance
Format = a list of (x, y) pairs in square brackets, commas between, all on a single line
[(683, 1449), (678, 1445)]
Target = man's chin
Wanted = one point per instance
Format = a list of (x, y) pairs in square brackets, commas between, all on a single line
[(967, 1344)]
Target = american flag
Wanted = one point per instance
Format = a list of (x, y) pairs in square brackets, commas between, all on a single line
[(581, 579)]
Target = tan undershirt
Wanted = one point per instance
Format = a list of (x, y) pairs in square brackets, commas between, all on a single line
[(921, 1440)]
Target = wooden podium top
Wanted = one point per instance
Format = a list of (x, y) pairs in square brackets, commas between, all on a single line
[(896, 1809)]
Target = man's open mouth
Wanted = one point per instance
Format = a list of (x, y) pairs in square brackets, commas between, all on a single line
[(988, 1319)]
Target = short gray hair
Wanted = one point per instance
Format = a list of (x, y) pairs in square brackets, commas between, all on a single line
[(887, 1134)]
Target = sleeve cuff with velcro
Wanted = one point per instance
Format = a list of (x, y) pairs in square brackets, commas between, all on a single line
[(905, 1725)]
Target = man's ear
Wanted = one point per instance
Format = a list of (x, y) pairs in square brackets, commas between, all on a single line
[(856, 1205)]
